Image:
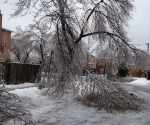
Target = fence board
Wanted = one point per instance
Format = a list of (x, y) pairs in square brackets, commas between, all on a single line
[(16, 73)]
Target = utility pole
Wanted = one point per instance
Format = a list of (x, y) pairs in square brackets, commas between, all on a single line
[(147, 47)]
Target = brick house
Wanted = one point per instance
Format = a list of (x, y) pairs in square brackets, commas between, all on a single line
[(5, 41)]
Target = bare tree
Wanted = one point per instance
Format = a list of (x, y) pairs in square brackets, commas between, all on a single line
[(41, 37), (31, 44), (11, 108), (21, 45), (70, 23)]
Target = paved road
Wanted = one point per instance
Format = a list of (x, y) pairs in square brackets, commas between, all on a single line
[(141, 88)]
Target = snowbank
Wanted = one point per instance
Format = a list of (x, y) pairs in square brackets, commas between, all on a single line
[(141, 81), (19, 86)]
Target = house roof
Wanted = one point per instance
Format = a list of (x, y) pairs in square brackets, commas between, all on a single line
[(7, 30)]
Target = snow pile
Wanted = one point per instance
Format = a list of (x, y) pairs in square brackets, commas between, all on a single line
[(19, 86), (69, 111), (141, 81)]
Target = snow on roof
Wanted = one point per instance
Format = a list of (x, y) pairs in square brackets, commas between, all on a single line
[(7, 30)]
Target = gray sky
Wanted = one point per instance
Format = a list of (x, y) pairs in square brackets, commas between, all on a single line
[(138, 31)]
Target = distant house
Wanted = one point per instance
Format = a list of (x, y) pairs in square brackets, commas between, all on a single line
[(92, 62), (5, 41), (101, 65), (114, 69)]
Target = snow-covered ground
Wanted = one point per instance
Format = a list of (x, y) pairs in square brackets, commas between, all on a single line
[(69, 111)]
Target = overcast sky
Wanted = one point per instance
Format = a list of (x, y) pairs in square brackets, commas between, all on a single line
[(138, 32)]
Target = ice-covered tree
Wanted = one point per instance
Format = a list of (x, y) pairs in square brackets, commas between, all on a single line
[(42, 40), (31, 45), (73, 21), (21, 45)]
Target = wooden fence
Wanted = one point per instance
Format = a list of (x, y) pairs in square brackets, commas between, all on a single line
[(16, 73)]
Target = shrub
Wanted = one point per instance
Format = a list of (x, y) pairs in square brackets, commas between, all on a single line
[(122, 70)]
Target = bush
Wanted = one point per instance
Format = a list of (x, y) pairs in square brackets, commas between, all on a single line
[(122, 70)]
